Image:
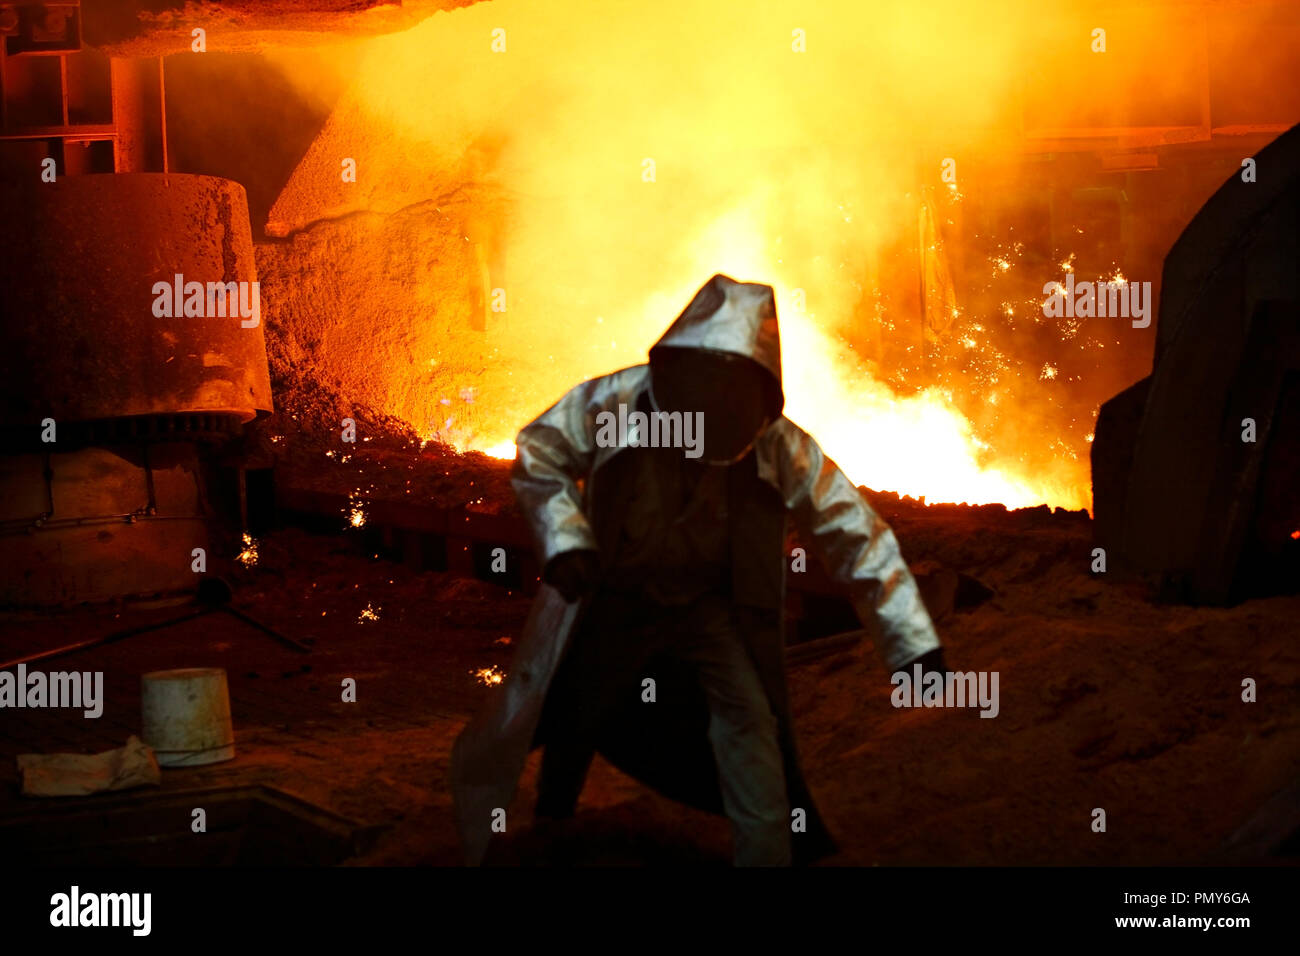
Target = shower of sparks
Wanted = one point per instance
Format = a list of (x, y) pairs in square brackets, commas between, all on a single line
[(369, 613), (489, 676), (248, 556)]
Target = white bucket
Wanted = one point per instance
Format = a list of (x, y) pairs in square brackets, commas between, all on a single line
[(186, 716)]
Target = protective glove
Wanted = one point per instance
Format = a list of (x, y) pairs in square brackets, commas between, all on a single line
[(575, 574)]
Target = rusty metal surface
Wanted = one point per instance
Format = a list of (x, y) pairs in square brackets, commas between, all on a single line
[(160, 27), (100, 528), (81, 340)]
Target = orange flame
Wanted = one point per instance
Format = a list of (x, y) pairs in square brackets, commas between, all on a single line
[(600, 182)]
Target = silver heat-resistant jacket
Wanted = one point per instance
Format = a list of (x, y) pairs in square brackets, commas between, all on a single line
[(858, 549), (558, 478)]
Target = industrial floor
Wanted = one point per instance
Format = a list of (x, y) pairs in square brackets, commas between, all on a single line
[(1107, 700)]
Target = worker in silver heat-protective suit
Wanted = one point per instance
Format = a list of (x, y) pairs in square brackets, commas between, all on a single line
[(668, 564)]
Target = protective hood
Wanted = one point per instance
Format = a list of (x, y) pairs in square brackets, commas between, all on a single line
[(734, 317)]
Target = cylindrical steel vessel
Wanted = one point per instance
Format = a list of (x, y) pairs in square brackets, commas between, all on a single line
[(83, 261), (126, 348)]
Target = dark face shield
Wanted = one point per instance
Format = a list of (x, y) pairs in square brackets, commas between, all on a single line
[(731, 395)]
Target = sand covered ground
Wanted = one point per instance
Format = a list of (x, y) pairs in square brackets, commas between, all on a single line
[(1107, 700)]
